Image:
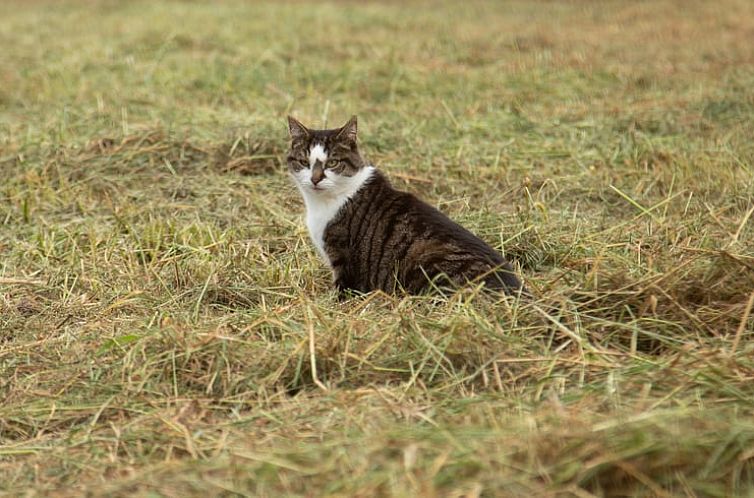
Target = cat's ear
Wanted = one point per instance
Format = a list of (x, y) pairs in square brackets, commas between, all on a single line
[(296, 129), (348, 131)]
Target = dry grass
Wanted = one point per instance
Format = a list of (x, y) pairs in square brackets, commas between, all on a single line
[(167, 330)]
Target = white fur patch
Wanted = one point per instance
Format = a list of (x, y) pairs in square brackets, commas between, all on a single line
[(317, 153), (324, 203)]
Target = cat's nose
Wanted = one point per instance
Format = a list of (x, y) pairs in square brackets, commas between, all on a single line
[(318, 174)]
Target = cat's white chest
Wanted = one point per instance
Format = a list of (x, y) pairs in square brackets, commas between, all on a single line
[(317, 219), (323, 206)]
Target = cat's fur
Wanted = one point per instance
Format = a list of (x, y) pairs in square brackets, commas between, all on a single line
[(374, 236)]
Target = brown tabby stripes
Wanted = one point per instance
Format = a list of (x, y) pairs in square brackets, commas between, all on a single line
[(390, 240)]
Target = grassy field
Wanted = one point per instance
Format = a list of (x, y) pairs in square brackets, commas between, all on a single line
[(166, 328)]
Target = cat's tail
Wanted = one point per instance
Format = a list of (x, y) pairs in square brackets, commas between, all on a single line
[(504, 279)]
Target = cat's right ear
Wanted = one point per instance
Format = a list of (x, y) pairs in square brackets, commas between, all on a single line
[(296, 129), (348, 131)]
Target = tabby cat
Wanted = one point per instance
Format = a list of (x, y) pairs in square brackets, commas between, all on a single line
[(374, 236)]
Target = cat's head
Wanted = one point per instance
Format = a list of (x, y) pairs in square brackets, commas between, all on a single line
[(322, 161)]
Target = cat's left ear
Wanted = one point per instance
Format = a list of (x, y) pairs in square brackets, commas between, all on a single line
[(348, 131), (296, 129)]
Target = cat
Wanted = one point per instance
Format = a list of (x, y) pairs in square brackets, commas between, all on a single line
[(375, 237)]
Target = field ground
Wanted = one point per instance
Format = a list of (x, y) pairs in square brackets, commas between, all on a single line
[(166, 328)]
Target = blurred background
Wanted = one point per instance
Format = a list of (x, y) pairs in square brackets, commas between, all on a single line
[(499, 69)]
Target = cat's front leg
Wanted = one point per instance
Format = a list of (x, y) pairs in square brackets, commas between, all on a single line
[(344, 292), (340, 282), (345, 285)]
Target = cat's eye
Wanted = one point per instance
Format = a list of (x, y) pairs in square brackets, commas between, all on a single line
[(296, 164), (336, 165)]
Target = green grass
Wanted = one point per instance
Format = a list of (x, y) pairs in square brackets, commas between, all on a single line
[(166, 328)]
